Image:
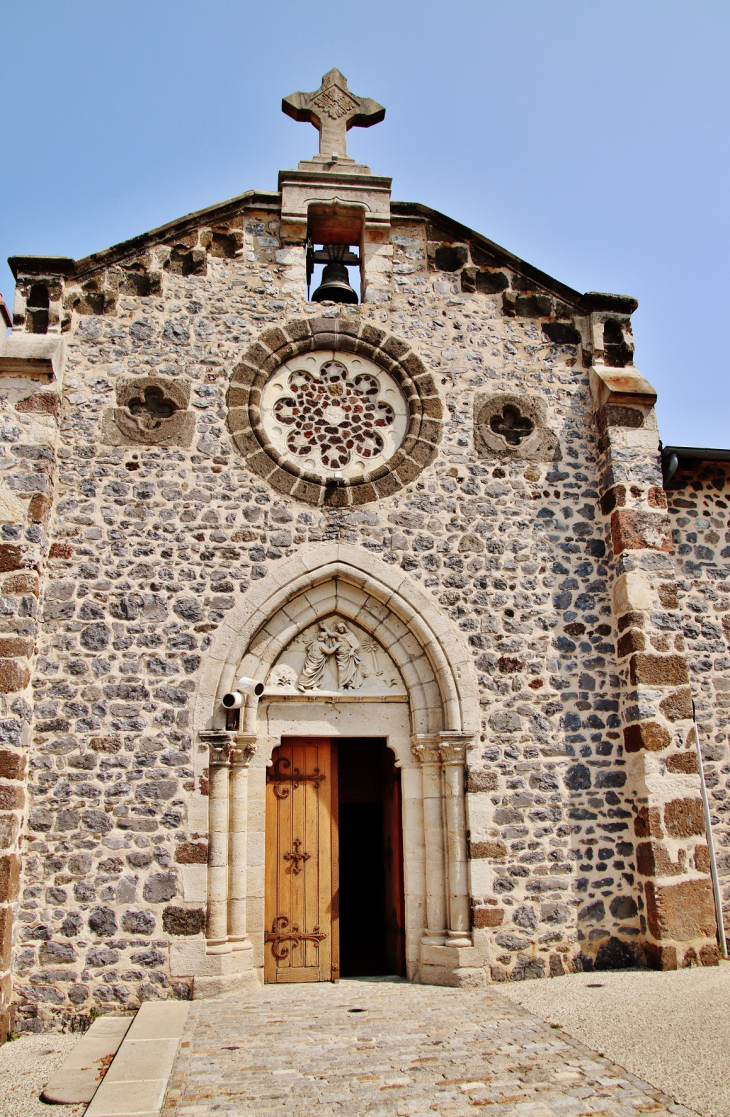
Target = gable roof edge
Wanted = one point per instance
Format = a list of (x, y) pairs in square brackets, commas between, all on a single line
[(501, 255), (261, 199)]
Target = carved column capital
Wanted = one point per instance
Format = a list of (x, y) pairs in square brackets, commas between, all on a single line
[(425, 748), (243, 749), (452, 747), (220, 743)]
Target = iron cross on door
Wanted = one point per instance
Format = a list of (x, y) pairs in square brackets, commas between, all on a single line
[(301, 933)]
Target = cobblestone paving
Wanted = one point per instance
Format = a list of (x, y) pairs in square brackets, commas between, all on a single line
[(386, 1048)]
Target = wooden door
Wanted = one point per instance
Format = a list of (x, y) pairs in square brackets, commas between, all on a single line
[(301, 939)]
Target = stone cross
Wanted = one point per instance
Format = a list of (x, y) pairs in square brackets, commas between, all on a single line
[(333, 110)]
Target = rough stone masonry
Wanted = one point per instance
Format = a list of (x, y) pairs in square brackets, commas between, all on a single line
[(144, 499)]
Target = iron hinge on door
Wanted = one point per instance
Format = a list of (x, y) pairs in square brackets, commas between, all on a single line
[(279, 935), (284, 781)]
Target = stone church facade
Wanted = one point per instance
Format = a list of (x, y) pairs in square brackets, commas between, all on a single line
[(430, 518)]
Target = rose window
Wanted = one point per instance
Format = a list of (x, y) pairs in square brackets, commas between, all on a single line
[(335, 414)]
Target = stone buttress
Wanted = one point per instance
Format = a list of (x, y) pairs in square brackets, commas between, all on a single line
[(673, 886)]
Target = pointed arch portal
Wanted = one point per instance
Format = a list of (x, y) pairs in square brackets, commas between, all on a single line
[(428, 723)]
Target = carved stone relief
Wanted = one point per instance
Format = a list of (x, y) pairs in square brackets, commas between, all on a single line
[(513, 428), (151, 411), (334, 656)]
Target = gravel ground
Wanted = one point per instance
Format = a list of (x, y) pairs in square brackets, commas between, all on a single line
[(26, 1065), (671, 1029)]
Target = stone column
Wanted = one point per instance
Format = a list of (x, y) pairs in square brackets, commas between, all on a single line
[(219, 838), (673, 887), (241, 755), (426, 749), (452, 748), (225, 961)]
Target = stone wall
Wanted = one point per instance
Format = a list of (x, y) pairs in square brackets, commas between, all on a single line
[(698, 508), (155, 540)]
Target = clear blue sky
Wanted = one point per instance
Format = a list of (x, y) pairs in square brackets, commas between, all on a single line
[(589, 137)]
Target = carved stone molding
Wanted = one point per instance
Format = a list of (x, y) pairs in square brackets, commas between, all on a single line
[(513, 428), (371, 597), (277, 346), (151, 411)]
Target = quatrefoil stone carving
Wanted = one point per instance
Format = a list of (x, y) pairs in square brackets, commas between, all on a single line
[(512, 425), (150, 411), (514, 428)]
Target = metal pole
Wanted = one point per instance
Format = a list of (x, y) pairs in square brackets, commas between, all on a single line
[(710, 842)]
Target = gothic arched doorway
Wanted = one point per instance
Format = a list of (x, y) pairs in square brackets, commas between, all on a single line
[(348, 650)]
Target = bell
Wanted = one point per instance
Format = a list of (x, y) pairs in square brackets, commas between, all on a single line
[(335, 286)]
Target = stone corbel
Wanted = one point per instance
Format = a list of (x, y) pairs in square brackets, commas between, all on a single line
[(620, 386), (39, 357), (623, 402)]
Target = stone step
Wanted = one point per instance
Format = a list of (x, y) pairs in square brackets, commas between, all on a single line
[(79, 1076), (135, 1084)]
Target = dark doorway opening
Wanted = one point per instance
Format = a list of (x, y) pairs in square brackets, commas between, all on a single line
[(371, 905)]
